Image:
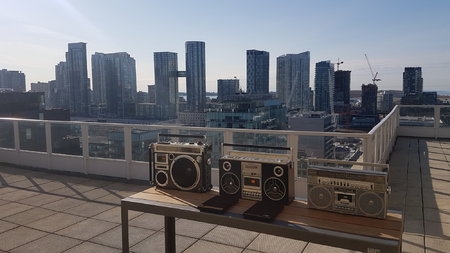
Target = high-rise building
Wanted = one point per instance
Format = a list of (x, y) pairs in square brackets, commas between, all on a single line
[(166, 83), (62, 86), (257, 72), (114, 83), (227, 88), (293, 81), (369, 99), (195, 76), (42, 88), (324, 87), (151, 91), (313, 146), (342, 96), (78, 81), (11, 79), (412, 80), (385, 101)]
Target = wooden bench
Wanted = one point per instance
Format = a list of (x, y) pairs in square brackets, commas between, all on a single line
[(296, 221)]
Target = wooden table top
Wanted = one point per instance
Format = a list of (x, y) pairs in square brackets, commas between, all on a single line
[(296, 213)]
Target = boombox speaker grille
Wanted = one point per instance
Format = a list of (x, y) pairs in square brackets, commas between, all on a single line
[(185, 172), (370, 204), (320, 197), (230, 183)]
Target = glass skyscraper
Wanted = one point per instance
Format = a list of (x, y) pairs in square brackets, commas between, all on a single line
[(166, 83), (226, 88), (195, 76), (412, 80), (77, 78), (324, 86), (114, 83), (293, 80), (257, 72)]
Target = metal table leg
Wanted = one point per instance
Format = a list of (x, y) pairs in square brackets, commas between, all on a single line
[(169, 226), (124, 216)]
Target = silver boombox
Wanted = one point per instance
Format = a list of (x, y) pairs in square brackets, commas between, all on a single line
[(265, 177), (181, 165), (355, 192)]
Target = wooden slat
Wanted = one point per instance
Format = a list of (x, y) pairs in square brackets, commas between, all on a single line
[(296, 213)]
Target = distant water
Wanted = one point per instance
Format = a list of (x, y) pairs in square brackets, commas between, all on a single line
[(211, 97)]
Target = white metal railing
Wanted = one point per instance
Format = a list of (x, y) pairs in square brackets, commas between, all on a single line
[(118, 150)]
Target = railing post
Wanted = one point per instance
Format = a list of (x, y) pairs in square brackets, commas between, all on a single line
[(16, 135), (85, 144), (227, 138), (48, 143), (292, 142), (368, 151), (128, 149), (437, 119)]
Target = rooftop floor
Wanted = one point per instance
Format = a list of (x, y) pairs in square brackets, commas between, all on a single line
[(45, 212)]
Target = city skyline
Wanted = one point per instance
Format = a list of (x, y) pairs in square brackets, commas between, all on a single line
[(35, 43)]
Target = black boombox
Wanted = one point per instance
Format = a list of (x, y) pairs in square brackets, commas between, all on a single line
[(355, 192), (265, 177), (181, 165)]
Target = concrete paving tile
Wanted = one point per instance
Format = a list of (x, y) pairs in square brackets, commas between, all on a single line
[(89, 209), (89, 247), (64, 204), (95, 194), (155, 243), (23, 184), (81, 187), (51, 186), (113, 215), (275, 244), (2, 202), (5, 226), (436, 245), (39, 200), (12, 178), (12, 208), (67, 191), (113, 237), (206, 247), (442, 203), (318, 248), (55, 222), (431, 214), (86, 229), (437, 229), (18, 236), (148, 221), (18, 195), (111, 198), (412, 243), (48, 244), (413, 226), (413, 213), (29, 216), (250, 251), (231, 236), (192, 228), (4, 190)]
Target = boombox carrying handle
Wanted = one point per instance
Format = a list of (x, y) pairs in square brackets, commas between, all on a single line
[(183, 135), (255, 146)]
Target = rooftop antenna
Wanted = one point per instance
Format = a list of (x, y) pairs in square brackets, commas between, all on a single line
[(374, 77)]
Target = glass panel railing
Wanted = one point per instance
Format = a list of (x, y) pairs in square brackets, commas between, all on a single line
[(6, 134), (66, 139), (445, 117), (106, 142), (273, 140), (417, 116), (32, 136), (141, 140)]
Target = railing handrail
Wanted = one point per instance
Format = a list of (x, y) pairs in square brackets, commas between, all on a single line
[(190, 128), (377, 126)]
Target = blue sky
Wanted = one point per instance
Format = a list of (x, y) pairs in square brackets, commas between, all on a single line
[(394, 34)]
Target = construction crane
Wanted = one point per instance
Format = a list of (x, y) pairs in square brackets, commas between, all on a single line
[(338, 63), (374, 77)]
